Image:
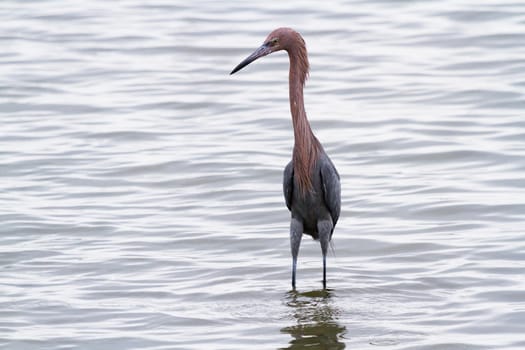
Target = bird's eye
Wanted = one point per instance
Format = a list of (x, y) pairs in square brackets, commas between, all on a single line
[(274, 41)]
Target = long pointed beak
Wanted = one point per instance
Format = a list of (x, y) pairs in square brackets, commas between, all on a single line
[(263, 50)]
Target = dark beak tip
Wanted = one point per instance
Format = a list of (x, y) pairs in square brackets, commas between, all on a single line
[(236, 69)]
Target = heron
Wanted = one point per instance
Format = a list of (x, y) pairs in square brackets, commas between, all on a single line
[(311, 183)]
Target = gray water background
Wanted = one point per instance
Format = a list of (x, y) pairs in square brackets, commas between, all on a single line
[(140, 184)]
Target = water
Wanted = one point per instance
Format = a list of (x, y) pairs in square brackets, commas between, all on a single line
[(140, 192)]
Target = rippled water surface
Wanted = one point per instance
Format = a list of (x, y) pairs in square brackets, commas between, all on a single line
[(140, 192)]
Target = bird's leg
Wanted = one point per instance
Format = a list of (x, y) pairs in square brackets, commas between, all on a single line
[(324, 228), (296, 233), (324, 270)]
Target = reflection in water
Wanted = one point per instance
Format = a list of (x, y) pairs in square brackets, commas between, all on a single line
[(316, 324)]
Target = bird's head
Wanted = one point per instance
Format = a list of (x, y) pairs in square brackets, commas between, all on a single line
[(279, 39)]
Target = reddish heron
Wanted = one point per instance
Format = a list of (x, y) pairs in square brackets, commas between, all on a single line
[(311, 183)]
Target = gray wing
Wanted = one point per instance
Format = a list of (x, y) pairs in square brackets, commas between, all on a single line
[(331, 189), (288, 185)]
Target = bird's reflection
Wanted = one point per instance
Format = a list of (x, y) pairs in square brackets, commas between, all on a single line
[(315, 317)]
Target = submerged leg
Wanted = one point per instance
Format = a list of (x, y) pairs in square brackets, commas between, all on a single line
[(325, 228), (296, 233)]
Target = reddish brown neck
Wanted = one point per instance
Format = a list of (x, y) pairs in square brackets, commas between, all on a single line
[(307, 147)]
